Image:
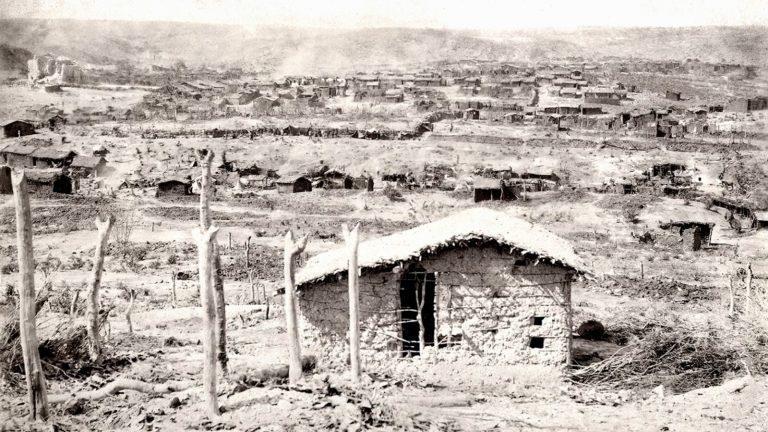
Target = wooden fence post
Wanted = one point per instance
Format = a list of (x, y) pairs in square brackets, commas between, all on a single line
[(266, 301), (749, 288), (73, 304), (352, 239), (253, 288), (248, 253), (174, 299), (204, 241), (205, 157), (731, 295), (104, 226), (131, 297), (292, 250), (37, 396)]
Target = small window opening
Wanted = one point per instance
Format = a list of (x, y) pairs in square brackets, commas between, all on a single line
[(537, 320), (536, 342)]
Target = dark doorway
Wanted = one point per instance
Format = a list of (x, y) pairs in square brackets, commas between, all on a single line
[(417, 287), (63, 185)]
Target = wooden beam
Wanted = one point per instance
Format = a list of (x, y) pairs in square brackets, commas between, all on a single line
[(37, 396), (352, 239), (292, 249)]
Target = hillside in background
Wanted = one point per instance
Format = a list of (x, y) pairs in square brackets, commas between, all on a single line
[(294, 51), (14, 58), (746, 45)]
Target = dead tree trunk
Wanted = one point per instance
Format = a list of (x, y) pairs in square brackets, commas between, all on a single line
[(33, 370), (205, 157), (205, 241), (352, 239), (131, 298), (292, 250), (94, 344)]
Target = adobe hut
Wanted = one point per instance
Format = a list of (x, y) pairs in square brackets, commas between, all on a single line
[(335, 179), (87, 165), (174, 187), (489, 285), (672, 95), (293, 184), (471, 114), (18, 128), (694, 235), (492, 190), (48, 180), (761, 218)]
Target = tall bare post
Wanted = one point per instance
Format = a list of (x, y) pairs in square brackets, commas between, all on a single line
[(174, 299), (205, 157), (749, 288), (73, 303), (292, 249), (352, 239), (731, 295), (131, 297), (253, 288), (266, 301), (33, 370), (205, 240), (436, 315), (104, 225), (248, 252)]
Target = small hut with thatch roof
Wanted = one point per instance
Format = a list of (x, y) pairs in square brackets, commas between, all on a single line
[(479, 283)]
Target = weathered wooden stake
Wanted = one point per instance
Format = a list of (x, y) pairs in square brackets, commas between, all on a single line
[(748, 306), (266, 301), (205, 241), (731, 296), (205, 157), (131, 298), (104, 226), (253, 288), (292, 250), (37, 396), (174, 300), (436, 315), (73, 303), (352, 239), (248, 252)]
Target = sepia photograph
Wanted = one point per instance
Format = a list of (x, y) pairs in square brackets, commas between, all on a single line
[(384, 215)]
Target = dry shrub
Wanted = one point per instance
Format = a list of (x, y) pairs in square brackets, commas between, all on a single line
[(392, 193), (679, 358)]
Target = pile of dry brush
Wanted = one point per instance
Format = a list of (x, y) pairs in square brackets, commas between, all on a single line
[(64, 353), (679, 358)]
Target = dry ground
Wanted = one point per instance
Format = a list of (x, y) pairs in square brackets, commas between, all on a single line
[(637, 282)]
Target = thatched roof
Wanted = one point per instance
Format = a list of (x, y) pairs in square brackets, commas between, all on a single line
[(473, 224), (91, 162)]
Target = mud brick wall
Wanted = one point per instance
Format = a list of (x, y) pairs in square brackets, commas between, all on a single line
[(486, 299)]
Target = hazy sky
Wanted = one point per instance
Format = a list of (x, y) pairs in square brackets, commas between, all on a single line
[(454, 14)]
